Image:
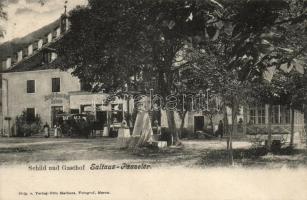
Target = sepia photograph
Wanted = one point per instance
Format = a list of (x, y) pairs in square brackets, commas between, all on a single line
[(153, 99)]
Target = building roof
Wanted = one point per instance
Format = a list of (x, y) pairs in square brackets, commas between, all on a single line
[(9, 48), (34, 61)]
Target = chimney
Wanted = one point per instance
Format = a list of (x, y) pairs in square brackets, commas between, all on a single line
[(67, 24), (40, 44), (30, 49), (19, 56), (64, 23)]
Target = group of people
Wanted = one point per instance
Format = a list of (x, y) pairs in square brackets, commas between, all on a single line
[(57, 131), (156, 130), (220, 129)]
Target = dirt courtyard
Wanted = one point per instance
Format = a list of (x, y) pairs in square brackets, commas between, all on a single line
[(193, 153)]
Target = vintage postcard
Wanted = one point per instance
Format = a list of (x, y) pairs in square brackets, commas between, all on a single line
[(153, 99)]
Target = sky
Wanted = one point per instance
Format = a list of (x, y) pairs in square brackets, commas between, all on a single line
[(26, 16)]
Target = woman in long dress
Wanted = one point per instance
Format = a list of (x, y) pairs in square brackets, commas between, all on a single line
[(56, 134), (46, 130)]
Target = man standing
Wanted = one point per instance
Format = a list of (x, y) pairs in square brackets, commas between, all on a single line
[(221, 129), (46, 130)]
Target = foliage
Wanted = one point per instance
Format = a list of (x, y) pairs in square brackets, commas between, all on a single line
[(3, 15), (253, 36), (284, 89), (131, 42), (226, 46), (121, 39), (26, 127)]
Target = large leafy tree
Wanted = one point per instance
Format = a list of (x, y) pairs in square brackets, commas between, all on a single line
[(253, 37), (305, 99), (292, 86), (285, 88), (3, 16), (112, 41)]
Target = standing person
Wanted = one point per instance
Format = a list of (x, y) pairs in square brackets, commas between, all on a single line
[(156, 130), (83, 127), (57, 131), (220, 128), (56, 134), (46, 130), (60, 133)]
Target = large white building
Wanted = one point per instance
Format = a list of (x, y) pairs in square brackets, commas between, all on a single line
[(31, 81)]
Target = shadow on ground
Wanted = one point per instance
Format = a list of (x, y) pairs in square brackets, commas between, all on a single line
[(15, 150), (251, 157)]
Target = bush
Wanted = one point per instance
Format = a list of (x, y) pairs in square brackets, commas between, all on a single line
[(166, 133), (186, 133), (26, 127)]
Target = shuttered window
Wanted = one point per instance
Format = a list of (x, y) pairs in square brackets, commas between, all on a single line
[(30, 86), (56, 85)]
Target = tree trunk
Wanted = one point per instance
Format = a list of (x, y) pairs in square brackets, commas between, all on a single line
[(128, 113), (305, 121), (226, 129), (269, 141), (292, 127), (182, 123), (245, 111), (233, 131), (173, 138), (211, 124)]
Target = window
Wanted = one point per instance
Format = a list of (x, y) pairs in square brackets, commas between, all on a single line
[(261, 114), (53, 56), (56, 85), (49, 37), (275, 114), (30, 86), (86, 108), (40, 44), (30, 49), (30, 114), (257, 115), (74, 111), (284, 115), (47, 57), (280, 115), (252, 116)]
